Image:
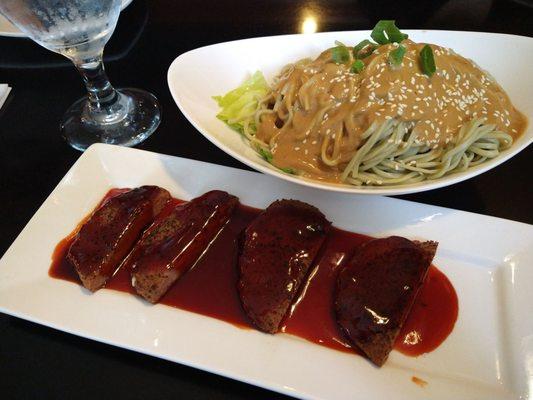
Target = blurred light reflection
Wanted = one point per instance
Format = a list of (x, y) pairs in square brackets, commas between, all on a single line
[(309, 25)]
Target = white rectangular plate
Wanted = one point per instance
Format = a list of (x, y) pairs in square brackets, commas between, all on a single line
[(489, 261)]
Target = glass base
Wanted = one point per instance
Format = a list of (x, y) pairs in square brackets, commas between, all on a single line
[(129, 120)]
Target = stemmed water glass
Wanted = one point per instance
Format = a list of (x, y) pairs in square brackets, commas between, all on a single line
[(79, 30)]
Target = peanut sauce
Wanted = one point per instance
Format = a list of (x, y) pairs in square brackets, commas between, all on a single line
[(435, 107)]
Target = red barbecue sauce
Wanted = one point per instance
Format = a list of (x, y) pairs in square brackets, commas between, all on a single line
[(209, 288)]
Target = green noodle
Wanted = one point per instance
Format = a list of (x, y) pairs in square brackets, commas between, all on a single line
[(382, 161), (389, 153)]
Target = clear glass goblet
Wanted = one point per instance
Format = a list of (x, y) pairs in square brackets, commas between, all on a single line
[(79, 30)]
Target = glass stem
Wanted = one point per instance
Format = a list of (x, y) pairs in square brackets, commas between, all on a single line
[(101, 92)]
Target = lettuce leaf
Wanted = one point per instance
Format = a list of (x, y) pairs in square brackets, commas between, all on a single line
[(242, 101)]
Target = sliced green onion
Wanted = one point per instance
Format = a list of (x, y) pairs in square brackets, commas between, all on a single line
[(427, 61), (358, 50), (266, 154), (289, 171), (396, 56), (357, 66), (340, 54), (386, 32)]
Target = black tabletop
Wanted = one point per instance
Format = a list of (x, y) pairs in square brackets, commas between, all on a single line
[(38, 362)]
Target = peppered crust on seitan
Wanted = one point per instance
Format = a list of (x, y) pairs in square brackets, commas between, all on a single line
[(172, 245), (376, 289), (278, 248), (109, 234)]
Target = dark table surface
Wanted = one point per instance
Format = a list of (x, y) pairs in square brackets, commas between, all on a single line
[(38, 362)]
